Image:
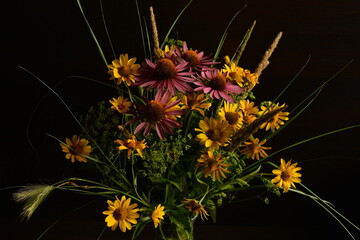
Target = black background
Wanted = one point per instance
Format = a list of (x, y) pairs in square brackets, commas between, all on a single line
[(50, 39)]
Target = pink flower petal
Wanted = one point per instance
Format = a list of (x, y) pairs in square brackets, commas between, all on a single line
[(140, 127)]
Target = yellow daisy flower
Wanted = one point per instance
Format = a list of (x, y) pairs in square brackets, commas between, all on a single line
[(254, 148), (131, 144), (243, 77), (213, 165), (231, 114), (215, 133), (76, 149), (249, 111), (124, 69), (278, 119), (195, 101), (120, 104), (158, 215), (251, 78), (196, 208), (287, 175), (121, 213), (234, 72)]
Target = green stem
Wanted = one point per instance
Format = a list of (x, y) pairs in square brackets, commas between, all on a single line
[(58, 220), (92, 34), (254, 165), (172, 26)]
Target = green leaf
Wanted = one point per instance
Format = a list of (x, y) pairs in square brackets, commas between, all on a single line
[(139, 227), (177, 185), (251, 175), (211, 207)]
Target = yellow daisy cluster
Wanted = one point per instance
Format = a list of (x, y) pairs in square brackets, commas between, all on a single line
[(243, 77), (124, 214)]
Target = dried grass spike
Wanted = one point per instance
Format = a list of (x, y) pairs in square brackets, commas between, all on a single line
[(243, 45), (32, 196), (157, 49), (265, 60)]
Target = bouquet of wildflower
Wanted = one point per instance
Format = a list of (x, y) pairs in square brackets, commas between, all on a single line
[(182, 136)]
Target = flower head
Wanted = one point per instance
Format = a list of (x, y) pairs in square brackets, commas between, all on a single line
[(286, 175), (131, 144), (121, 213), (124, 69), (213, 165), (216, 84), (254, 149), (165, 75), (196, 208), (76, 149), (120, 104), (194, 58), (249, 111), (158, 215), (215, 133), (160, 112), (195, 101), (231, 114), (241, 76), (277, 120)]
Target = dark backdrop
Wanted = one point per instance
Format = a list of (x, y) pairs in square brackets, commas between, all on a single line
[(50, 39)]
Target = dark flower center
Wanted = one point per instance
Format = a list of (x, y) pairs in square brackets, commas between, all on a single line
[(285, 176), (76, 149), (213, 135), (218, 82), (192, 103), (165, 69), (192, 58), (120, 214), (232, 117), (154, 111), (124, 70)]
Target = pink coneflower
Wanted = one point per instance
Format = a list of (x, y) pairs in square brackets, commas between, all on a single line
[(165, 75), (195, 59), (215, 83), (161, 112)]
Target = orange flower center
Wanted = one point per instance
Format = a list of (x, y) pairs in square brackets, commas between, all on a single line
[(232, 117), (120, 214), (154, 111), (124, 70), (192, 58), (285, 176), (165, 69), (218, 82), (213, 135)]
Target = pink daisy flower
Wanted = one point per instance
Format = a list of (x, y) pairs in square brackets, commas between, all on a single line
[(214, 83), (165, 75), (196, 60), (160, 112)]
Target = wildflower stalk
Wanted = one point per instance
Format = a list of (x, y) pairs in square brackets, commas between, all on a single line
[(254, 165), (265, 60), (135, 186), (93, 34), (187, 121), (157, 49), (33, 196), (173, 24), (141, 28), (243, 44), (64, 216), (223, 37)]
